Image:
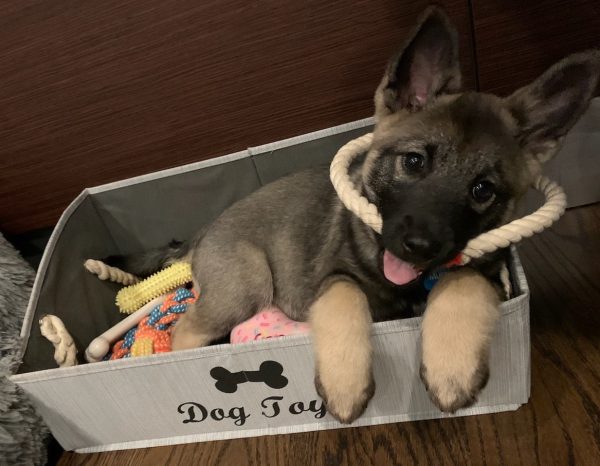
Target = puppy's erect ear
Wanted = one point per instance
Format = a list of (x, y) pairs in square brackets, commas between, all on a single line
[(426, 67), (547, 109)]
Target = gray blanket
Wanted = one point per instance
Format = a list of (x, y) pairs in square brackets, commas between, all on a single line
[(22, 433)]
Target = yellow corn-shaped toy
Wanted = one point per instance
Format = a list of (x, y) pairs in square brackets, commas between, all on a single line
[(131, 298)]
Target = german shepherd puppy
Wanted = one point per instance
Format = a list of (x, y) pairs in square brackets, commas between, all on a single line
[(444, 167)]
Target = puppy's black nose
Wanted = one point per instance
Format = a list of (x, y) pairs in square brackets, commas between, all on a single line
[(416, 244), (420, 246)]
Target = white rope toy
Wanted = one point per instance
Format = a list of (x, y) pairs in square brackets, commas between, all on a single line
[(106, 272), (65, 351), (501, 237)]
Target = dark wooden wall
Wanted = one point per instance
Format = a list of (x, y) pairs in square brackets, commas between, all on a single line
[(92, 92), (518, 39)]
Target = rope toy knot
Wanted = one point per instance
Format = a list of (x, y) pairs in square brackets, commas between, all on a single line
[(106, 272)]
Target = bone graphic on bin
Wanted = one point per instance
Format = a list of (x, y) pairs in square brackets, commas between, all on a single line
[(269, 372)]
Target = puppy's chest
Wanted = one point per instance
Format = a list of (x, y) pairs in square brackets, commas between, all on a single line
[(389, 303)]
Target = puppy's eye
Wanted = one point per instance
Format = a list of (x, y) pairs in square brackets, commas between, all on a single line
[(413, 163), (483, 191)]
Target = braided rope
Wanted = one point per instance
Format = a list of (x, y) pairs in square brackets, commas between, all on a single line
[(515, 231), (106, 272), (501, 237), (152, 334), (65, 351), (100, 346), (350, 197)]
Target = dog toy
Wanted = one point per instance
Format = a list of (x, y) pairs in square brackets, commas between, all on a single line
[(100, 346), (501, 237), (153, 333), (131, 298), (106, 272), (268, 323), (65, 351), (147, 335)]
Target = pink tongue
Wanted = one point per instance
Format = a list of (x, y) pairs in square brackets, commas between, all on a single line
[(396, 270)]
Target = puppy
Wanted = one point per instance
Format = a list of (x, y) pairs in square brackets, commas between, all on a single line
[(444, 166)]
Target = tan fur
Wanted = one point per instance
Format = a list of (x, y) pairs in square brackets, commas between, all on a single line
[(458, 325), (187, 336), (341, 331)]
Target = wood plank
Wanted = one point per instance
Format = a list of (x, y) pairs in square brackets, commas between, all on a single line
[(517, 40), (94, 91), (560, 424)]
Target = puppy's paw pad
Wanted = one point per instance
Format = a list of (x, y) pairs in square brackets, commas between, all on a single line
[(343, 401), (450, 392)]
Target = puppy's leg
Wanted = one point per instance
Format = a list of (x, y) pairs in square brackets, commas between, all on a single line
[(234, 282), (193, 331), (459, 322), (341, 332)]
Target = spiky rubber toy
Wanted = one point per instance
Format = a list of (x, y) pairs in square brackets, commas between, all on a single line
[(131, 298)]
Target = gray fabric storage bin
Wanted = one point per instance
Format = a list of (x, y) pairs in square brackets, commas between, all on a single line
[(143, 402)]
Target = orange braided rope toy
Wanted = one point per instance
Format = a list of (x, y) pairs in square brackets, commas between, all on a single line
[(153, 334)]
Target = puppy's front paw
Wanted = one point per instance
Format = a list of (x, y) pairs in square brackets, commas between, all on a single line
[(453, 386), (341, 331), (346, 398), (458, 325)]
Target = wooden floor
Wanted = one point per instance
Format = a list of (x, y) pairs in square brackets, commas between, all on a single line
[(560, 424)]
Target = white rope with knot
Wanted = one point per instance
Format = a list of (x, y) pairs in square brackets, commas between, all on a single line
[(501, 237), (65, 351), (106, 272)]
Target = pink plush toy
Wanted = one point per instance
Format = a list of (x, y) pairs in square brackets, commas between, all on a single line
[(268, 323)]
